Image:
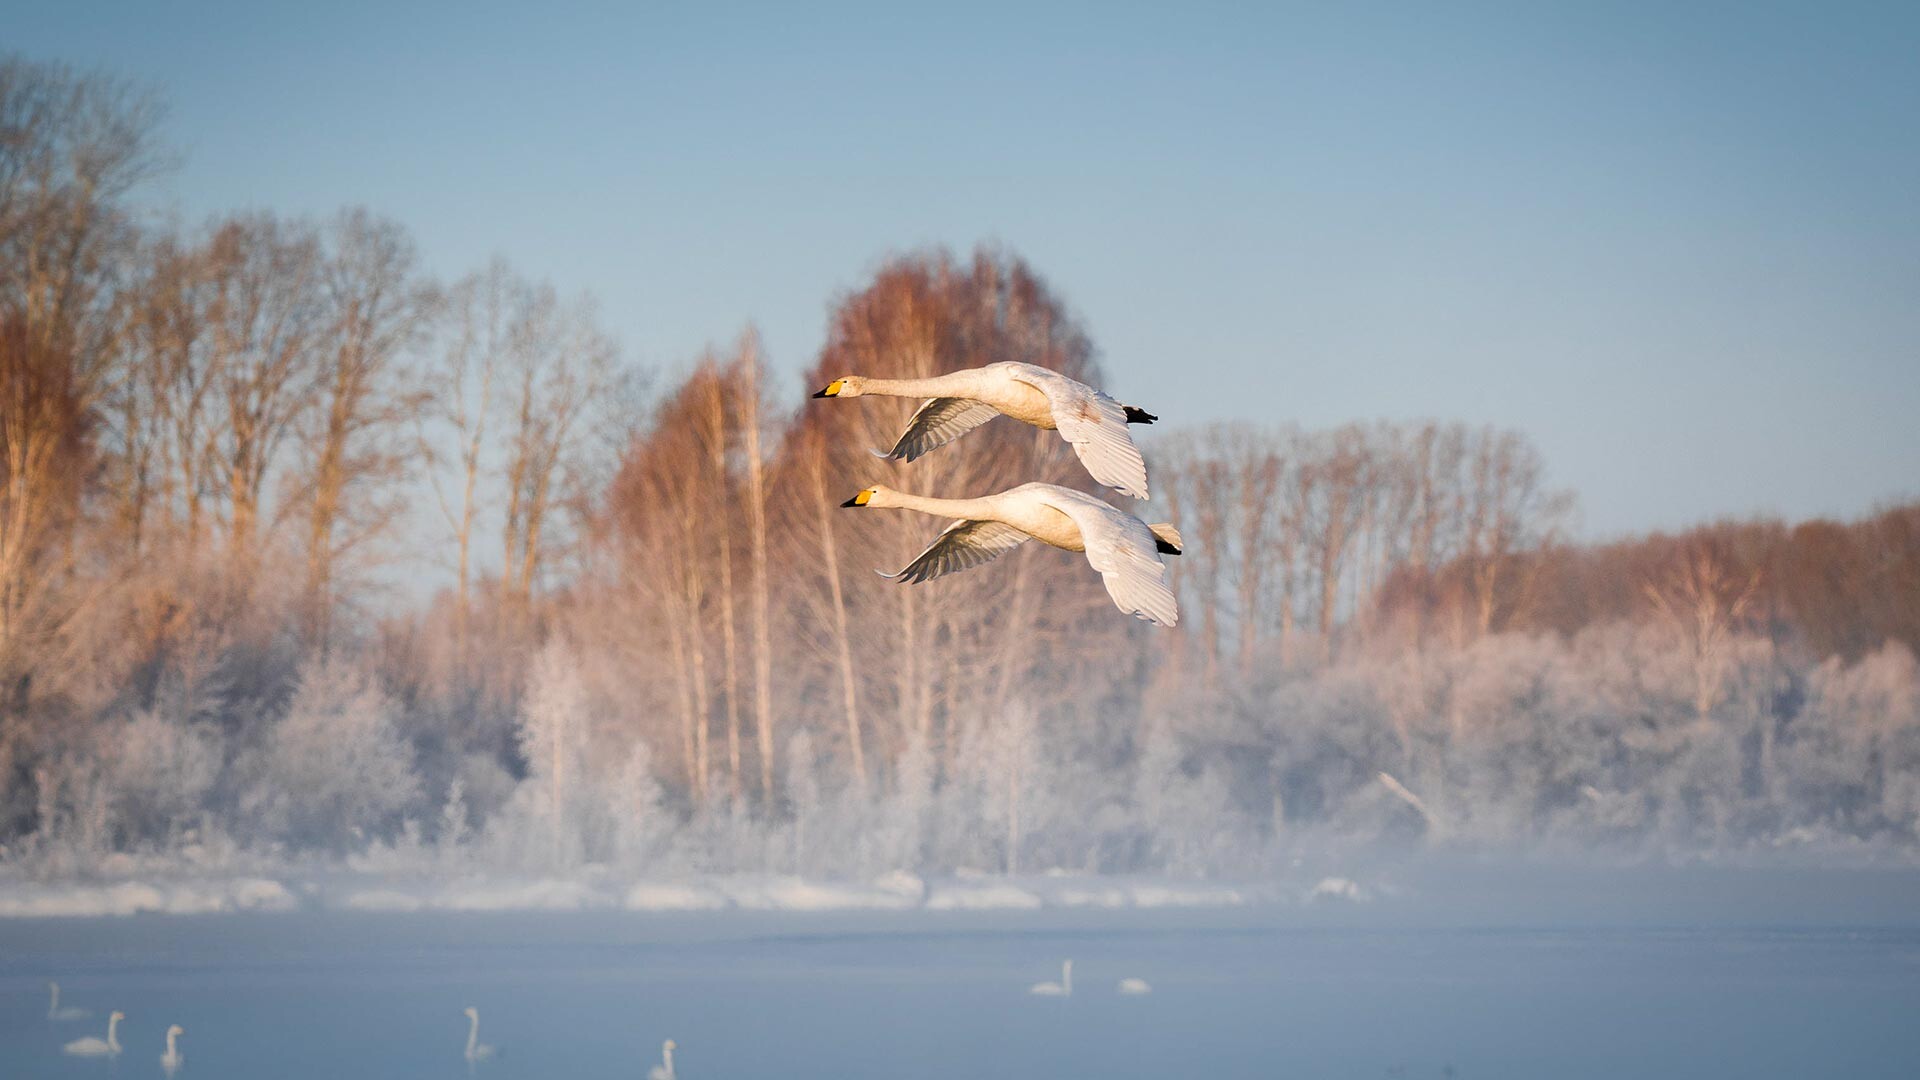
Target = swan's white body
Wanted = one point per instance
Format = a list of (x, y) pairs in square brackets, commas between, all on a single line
[(664, 1070), (476, 1050), (55, 1012), (94, 1046), (1063, 988), (173, 1058), (1094, 424), (1124, 549), (1134, 986)]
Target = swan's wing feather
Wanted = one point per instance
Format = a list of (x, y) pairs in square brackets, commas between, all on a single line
[(1095, 426), (938, 422), (1121, 547), (962, 546)]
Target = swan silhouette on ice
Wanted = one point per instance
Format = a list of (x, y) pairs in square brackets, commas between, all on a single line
[(1125, 550), (1094, 424), (94, 1046), (476, 1050), (55, 1012), (1063, 988), (173, 1058), (1134, 986), (664, 1070)]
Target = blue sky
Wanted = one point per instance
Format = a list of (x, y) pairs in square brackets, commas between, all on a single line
[(1677, 244)]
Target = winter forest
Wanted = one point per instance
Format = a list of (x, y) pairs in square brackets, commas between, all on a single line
[(310, 559)]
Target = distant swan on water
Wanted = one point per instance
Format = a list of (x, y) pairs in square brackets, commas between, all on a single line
[(476, 1050), (1134, 986), (1063, 988), (664, 1070), (55, 1012), (94, 1046), (173, 1058)]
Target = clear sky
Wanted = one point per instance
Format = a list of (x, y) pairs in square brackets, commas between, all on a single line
[(1678, 244)]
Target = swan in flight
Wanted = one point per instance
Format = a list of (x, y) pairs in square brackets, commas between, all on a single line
[(664, 1070), (476, 1050), (173, 1058), (1125, 550), (1063, 988), (93, 1045), (55, 1012), (1094, 424), (1134, 986)]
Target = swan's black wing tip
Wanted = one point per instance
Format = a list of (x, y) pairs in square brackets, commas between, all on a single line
[(1163, 547), (1138, 416)]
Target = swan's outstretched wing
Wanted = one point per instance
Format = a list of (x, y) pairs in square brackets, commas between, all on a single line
[(1095, 426), (938, 422), (963, 546), (1122, 548)]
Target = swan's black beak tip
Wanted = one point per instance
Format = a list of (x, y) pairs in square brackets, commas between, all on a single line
[(855, 501)]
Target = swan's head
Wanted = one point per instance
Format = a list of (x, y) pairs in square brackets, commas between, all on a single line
[(669, 1046), (848, 386), (471, 1013), (876, 496), (175, 1031), (116, 1015)]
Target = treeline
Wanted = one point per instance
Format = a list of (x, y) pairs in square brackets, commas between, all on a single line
[(656, 643)]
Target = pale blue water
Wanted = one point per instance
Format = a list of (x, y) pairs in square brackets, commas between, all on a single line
[(1236, 994)]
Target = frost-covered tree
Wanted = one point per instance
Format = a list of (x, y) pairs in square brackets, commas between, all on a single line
[(334, 769)]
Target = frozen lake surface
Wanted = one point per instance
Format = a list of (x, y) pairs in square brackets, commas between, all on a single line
[(1256, 992)]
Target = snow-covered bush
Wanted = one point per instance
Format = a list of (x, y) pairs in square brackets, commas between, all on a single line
[(334, 769)]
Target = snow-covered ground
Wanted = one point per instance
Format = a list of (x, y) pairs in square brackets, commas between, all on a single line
[(897, 891)]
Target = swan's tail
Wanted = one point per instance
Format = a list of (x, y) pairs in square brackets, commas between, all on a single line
[(1166, 539)]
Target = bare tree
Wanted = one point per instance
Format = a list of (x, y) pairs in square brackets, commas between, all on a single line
[(1702, 599), (363, 405), (747, 369)]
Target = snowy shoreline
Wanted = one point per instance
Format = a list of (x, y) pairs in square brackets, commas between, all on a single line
[(21, 899)]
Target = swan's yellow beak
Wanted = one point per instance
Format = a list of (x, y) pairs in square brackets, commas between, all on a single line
[(861, 499), (833, 389)]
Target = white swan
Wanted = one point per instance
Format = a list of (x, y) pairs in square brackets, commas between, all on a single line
[(1094, 424), (1063, 988), (173, 1058), (476, 1050), (1134, 986), (55, 1012), (664, 1070), (93, 1045), (1123, 548)]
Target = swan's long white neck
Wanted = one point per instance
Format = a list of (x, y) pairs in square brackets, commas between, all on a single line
[(666, 1057), (113, 1040), (473, 1033), (1066, 977), (975, 509), (171, 1035), (952, 384)]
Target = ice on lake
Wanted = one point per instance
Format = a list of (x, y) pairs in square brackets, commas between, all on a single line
[(1256, 991)]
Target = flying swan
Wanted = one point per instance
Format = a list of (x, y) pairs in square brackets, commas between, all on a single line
[(1063, 988), (664, 1070), (476, 1050), (93, 1045), (1094, 424), (173, 1058), (1123, 548), (55, 1012)]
